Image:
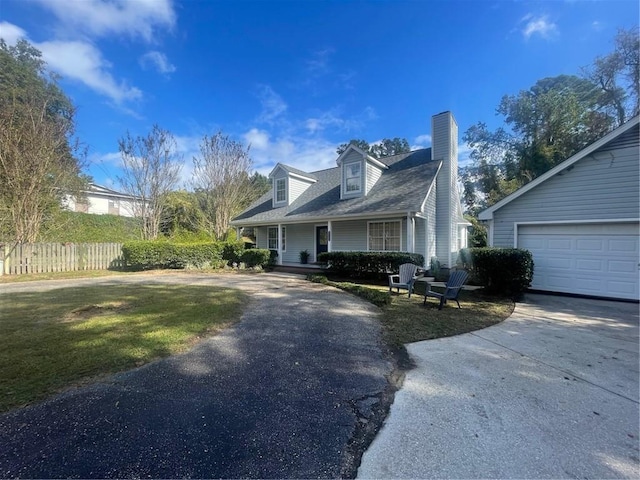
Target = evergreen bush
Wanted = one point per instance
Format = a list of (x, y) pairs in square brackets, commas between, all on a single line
[(502, 271), (367, 264)]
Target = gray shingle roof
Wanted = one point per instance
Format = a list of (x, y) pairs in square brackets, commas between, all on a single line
[(401, 188), (297, 172)]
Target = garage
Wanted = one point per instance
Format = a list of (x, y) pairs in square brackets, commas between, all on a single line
[(599, 259)]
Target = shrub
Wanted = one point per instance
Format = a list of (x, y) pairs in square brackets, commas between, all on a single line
[(367, 264), (232, 251), (146, 255), (255, 257), (503, 271)]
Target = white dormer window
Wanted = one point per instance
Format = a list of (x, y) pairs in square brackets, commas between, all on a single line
[(281, 190), (353, 177)]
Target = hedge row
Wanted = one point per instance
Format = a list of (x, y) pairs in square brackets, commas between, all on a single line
[(503, 271), (367, 264), (147, 255)]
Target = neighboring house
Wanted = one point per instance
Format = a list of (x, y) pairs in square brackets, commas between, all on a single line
[(580, 220), (407, 202), (102, 200)]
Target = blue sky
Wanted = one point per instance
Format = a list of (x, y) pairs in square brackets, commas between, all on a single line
[(296, 78)]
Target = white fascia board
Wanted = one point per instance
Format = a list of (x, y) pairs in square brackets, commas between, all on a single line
[(301, 177), (488, 213), (371, 216), (376, 162), (431, 187)]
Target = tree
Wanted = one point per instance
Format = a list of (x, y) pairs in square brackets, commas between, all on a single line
[(182, 214), (388, 147), (38, 169), (361, 144), (385, 148), (546, 124), (221, 178), (150, 170), (610, 72)]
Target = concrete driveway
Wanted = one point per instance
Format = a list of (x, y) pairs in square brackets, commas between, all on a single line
[(552, 392), (291, 391)]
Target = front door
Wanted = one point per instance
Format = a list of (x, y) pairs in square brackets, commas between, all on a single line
[(322, 240)]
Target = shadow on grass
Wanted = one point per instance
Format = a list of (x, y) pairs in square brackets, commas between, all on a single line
[(55, 339)]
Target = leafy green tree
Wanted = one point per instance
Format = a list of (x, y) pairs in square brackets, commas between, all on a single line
[(39, 164), (385, 148), (617, 76), (181, 214), (361, 144)]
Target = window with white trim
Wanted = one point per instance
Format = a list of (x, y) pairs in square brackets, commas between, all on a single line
[(385, 236), (281, 190), (272, 238), (352, 177)]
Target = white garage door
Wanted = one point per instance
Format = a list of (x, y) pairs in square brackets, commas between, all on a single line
[(589, 259)]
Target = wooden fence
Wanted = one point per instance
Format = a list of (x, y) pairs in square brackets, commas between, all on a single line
[(59, 257)]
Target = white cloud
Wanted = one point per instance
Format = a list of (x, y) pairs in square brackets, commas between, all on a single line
[(157, 60), (538, 26), (11, 33), (421, 141), (77, 60), (83, 62), (257, 139), (333, 118), (307, 154), (136, 18), (318, 64), (273, 106)]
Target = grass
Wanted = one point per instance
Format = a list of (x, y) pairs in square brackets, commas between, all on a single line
[(31, 277), (60, 338), (407, 320)]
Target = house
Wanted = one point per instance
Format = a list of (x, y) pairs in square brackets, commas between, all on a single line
[(407, 202), (102, 200), (580, 220)]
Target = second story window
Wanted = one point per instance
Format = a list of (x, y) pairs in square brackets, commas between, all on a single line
[(353, 177), (281, 190)]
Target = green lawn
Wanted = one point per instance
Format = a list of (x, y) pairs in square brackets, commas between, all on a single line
[(56, 339), (407, 320)]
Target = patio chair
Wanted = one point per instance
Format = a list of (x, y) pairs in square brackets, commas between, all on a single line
[(451, 291), (405, 278)]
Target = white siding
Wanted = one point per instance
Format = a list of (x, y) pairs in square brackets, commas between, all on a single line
[(299, 237), (445, 149), (430, 225), (373, 175), (296, 188), (421, 237), (602, 186), (349, 236)]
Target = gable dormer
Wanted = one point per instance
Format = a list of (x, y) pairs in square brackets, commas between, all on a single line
[(288, 184), (359, 172)]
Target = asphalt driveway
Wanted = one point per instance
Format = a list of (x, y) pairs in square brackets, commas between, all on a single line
[(288, 392), (552, 392)]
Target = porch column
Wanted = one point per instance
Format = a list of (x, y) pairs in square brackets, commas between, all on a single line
[(279, 244), (238, 233), (329, 236), (411, 233)]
